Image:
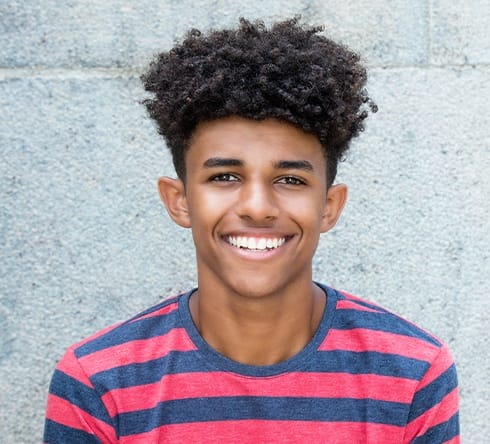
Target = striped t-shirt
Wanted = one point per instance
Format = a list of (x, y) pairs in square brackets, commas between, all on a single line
[(366, 376)]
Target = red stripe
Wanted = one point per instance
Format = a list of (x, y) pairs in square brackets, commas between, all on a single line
[(161, 312), (362, 340), (356, 298), (71, 367), (438, 414), (61, 411), (344, 304), (455, 440), (137, 351), (222, 384), (255, 432), (440, 365)]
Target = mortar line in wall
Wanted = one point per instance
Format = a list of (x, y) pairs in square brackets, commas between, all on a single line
[(100, 73), (429, 67), (67, 73)]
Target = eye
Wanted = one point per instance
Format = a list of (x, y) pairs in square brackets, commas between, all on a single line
[(291, 180), (224, 177)]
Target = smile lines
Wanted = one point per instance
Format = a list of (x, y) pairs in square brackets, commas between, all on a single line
[(255, 243)]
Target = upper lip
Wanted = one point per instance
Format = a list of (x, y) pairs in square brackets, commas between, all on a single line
[(266, 234)]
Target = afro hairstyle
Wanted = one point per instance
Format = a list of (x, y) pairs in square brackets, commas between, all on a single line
[(289, 72)]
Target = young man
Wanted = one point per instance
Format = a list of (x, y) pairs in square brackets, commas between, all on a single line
[(256, 120)]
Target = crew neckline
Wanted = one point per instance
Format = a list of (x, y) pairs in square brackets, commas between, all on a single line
[(222, 363)]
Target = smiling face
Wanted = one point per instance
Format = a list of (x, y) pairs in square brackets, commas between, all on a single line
[(256, 198)]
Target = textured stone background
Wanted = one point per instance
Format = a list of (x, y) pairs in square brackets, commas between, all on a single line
[(85, 241)]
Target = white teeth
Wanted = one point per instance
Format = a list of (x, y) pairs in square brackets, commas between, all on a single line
[(252, 243), (262, 244)]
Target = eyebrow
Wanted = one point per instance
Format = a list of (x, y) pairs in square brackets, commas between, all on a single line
[(293, 165), (214, 162), (222, 162)]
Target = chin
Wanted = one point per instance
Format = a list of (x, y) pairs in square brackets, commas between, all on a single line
[(256, 288)]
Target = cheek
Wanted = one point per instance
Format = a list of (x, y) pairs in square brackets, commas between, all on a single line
[(307, 209), (207, 208)]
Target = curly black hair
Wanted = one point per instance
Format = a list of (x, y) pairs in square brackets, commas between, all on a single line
[(288, 72)]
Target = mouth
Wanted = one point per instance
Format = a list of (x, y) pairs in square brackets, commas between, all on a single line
[(256, 243)]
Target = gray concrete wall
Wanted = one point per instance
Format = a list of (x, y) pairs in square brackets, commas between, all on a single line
[(85, 241)]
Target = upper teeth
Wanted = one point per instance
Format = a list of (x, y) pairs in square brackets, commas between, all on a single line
[(255, 243)]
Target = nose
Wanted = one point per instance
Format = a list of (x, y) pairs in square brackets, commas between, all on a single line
[(257, 202)]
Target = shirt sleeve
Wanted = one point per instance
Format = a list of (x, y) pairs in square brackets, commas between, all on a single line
[(434, 417), (75, 412)]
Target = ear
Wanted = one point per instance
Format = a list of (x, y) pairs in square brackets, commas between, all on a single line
[(336, 198), (172, 193)]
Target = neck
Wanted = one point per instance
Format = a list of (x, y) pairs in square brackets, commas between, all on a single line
[(258, 331)]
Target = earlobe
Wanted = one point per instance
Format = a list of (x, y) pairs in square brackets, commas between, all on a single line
[(172, 193), (336, 198)]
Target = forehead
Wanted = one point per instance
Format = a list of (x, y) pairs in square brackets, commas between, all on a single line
[(253, 142)]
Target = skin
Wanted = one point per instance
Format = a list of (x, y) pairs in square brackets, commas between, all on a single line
[(262, 180)]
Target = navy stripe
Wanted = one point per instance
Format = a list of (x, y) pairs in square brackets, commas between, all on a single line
[(129, 331), (55, 433), (383, 364), (433, 393), (441, 432), (78, 394), (262, 408), (148, 372), (348, 319), (191, 361)]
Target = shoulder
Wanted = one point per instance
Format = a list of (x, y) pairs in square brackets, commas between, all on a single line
[(356, 312), (155, 330), (396, 345)]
